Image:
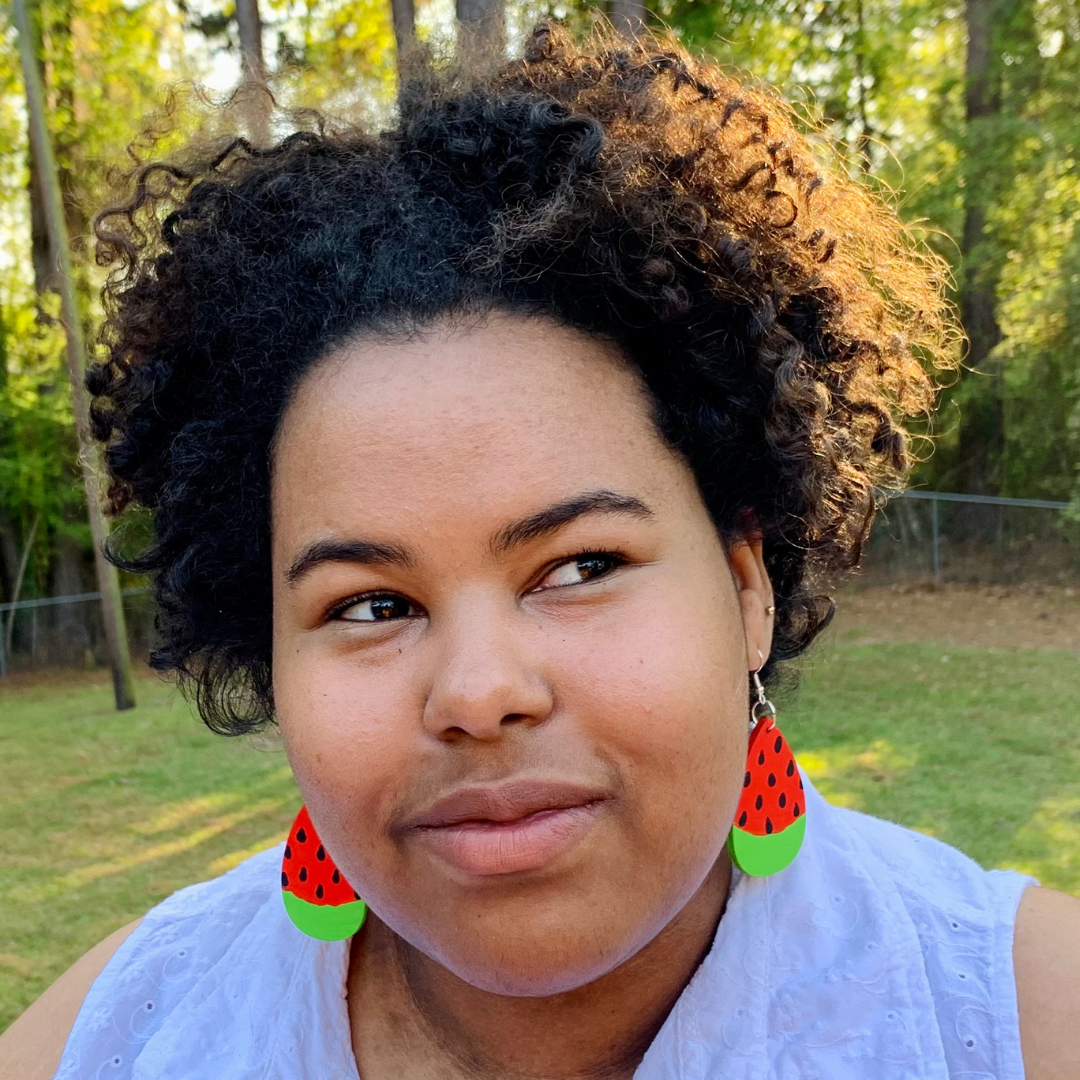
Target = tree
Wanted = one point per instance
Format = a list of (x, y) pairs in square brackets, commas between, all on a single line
[(966, 116), (481, 24), (629, 16), (48, 174), (991, 38), (404, 19)]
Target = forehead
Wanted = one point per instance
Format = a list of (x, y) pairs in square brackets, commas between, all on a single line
[(499, 410), (496, 416)]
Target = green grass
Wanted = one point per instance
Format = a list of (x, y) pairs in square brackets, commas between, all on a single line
[(979, 748), (104, 814)]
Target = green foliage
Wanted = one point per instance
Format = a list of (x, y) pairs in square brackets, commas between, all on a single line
[(887, 79), (38, 475), (108, 67)]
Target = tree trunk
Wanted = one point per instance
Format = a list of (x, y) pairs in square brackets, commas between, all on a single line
[(107, 578), (70, 624), (9, 548), (254, 96), (982, 422), (249, 24), (629, 16), (404, 15), (9, 556), (480, 26), (46, 278), (16, 589)]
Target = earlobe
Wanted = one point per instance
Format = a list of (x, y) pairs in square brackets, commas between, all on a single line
[(747, 563)]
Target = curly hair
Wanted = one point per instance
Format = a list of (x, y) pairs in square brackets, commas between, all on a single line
[(785, 322)]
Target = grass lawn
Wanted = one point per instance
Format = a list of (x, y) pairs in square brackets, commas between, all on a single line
[(103, 814)]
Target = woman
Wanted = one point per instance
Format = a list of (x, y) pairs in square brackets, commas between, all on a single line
[(499, 459)]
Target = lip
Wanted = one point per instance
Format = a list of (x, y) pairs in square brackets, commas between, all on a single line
[(510, 827)]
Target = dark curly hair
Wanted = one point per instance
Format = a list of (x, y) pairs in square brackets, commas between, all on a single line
[(784, 320)]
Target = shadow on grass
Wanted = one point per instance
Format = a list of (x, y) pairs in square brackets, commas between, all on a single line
[(103, 814), (978, 748)]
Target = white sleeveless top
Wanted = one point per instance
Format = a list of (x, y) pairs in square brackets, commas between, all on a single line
[(879, 953)]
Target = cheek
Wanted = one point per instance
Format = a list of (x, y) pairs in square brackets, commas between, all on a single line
[(664, 694), (344, 739)]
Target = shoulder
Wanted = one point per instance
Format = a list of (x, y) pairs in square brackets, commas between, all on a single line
[(30, 1049), (937, 881), (1046, 957), (143, 969)]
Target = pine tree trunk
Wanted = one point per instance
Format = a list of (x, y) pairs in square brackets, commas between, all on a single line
[(404, 16), (629, 16), (255, 98), (70, 622), (481, 26), (107, 578), (982, 422)]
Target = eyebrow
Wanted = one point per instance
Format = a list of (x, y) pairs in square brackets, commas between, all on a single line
[(363, 552), (557, 516), (542, 523)]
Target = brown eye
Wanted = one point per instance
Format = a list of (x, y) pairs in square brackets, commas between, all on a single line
[(581, 568), (377, 609)]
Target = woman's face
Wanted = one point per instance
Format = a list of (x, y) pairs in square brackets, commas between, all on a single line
[(510, 650)]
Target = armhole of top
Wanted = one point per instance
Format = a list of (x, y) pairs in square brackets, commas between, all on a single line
[(1008, 888), (32, 1047)]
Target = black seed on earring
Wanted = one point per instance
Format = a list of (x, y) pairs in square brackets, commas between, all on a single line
[(791, 768), (795, 810), (356, 895), (779, 742), (782, 800), (742, 819), (320, 854), (284, 880), (336, 879), (746, 780), (288, 852), (318, 892), (761, 758), (303, 873), (757, 806), (301, 836), (800, 785), (768, 826), (772, 779)]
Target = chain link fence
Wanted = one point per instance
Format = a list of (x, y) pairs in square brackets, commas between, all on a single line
[(920, 538), (940, 538), (67, 632)]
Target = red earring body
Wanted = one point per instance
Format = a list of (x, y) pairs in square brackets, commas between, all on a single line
[(770, 820), (319, 900)]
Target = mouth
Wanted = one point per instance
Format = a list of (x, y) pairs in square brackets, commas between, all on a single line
[(508, 828)]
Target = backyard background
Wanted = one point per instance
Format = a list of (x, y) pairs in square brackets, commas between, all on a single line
[(946, 694)]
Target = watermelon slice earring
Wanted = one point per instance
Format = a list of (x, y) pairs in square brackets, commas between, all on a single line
[(317, 897), (770, 820)]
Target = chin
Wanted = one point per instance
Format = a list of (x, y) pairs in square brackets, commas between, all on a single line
[(544, 977), (534, 965)]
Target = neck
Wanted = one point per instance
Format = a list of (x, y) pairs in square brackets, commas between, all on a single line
[(413, 1018)]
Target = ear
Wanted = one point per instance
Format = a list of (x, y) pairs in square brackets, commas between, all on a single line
[(755, 595)]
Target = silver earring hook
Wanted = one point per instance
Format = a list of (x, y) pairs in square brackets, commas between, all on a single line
[(763, 706)]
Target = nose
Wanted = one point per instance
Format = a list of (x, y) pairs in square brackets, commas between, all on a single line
[(485, 677)]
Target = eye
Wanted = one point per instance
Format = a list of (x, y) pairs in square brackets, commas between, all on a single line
[(380, 608), (586, 566)]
